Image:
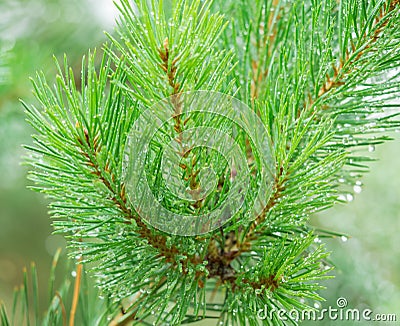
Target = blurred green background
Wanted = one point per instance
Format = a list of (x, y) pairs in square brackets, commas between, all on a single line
[(31, 31)]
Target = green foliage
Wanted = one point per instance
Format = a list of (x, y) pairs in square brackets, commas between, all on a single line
[(25, 309), (320, 76)]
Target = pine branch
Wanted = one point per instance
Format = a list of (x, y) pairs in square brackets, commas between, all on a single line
[(308, 71), (365, 44), (343, 94), (265, 40), (119, 199)]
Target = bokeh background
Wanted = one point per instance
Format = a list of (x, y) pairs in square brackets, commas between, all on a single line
[(31, 32)]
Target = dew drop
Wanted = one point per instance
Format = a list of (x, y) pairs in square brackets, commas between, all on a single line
[(317, 305), (371, 148), (93, 234), (343, 238), (317, 240), (349, 197), (73, 273), (357, 189)]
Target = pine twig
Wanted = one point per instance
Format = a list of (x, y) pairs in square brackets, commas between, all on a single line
[(339, 76), (63, 310), (75, 297)]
